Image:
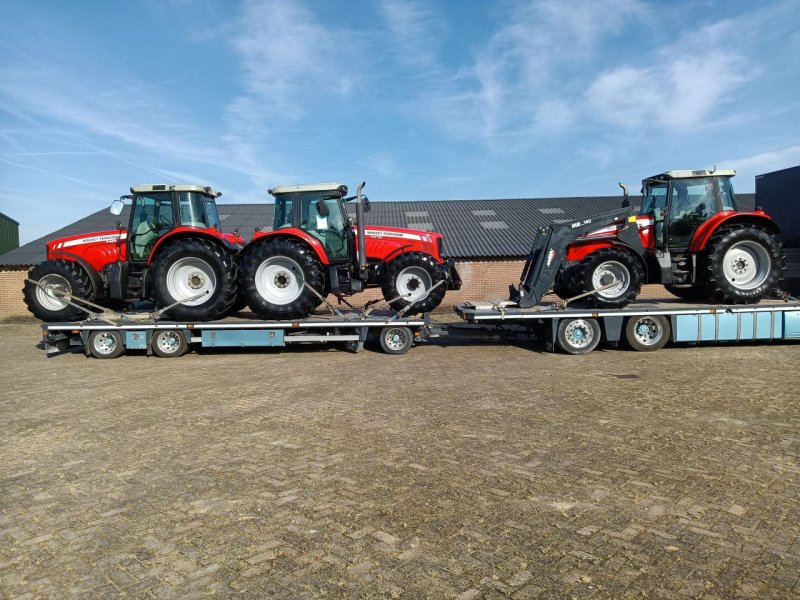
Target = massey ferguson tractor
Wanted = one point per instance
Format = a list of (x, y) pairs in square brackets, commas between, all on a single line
[(314, 249), (173, 252), (688, 235)]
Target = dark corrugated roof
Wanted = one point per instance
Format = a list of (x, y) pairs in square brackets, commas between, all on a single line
[(500, 229)]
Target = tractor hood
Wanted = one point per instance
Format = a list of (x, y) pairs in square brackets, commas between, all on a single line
[(96, 249)]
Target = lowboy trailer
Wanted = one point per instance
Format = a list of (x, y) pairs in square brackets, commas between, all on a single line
[(643, 326)]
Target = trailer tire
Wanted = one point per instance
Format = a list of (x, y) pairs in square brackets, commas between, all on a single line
[(414, 273), (105, 344), (605, 264), (63, 275), (273, 275), (189, 266), (578, 336), (647, 333), (396, 340), (169, 343), (744, 263)]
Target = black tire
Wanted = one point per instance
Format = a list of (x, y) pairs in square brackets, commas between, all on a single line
[(105, 344), (562, 286), (396, 340), (693, 293), (64, 275), (272, 279), (169, 343), (744, 263), (578, 336), (239, 304), (414, 273), (602, 265), (647, 333), (188, 266)]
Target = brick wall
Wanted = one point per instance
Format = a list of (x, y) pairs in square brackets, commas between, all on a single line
[(482, 280), (11, 304)]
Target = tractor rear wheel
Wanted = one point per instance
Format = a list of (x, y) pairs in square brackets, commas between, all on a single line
[(744, 263), (604, 267), (189, 267), (273, 278), (63, 276), (412, 275)]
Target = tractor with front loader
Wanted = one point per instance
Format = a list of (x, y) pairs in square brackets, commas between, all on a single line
[(688, 235), (172, 253), (314, 249)]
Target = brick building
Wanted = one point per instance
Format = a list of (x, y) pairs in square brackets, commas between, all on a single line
[(489, 239)]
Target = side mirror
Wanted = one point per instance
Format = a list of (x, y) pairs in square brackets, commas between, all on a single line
[(365, 200), (322, 208), (116, 207)]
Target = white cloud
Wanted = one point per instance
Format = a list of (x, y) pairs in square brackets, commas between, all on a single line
[(763, 162), (415, 31)]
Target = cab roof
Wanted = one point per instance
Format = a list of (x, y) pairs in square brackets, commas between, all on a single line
[(699, 173), (169, 187), (330, 186)]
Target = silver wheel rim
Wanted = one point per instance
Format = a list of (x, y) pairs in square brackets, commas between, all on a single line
[(49, 300), (190, 276), (746, 265), (579, 333), (105, 343), (279, 280), (168, 342), (648, 331), (607, 273), (396, 339), (413, 283)]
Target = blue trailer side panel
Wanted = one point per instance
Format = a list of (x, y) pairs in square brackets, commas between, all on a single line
[(732, 326), (791, 325), (240, 338), (136, 340)]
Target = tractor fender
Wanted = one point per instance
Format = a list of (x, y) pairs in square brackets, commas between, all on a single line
[(188, 232), (577, 251), (730, 217), (94, 276), (291, 233)]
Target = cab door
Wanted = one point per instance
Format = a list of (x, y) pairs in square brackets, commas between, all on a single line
[(151, 218)]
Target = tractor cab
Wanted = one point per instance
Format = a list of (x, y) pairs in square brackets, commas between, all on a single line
[(159, 209), (319, 210), (679, 202)]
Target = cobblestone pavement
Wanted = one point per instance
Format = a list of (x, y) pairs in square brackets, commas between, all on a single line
[(450, 472)]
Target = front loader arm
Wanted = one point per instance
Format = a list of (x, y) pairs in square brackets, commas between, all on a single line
[(550, 248)]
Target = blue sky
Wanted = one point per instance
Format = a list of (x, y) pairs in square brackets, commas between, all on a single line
[(424, 100)]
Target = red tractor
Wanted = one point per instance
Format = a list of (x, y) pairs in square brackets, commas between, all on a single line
[(691, 238), (314, 249), (173, 251)]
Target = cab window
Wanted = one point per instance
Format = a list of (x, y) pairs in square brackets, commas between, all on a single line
[(151, 218), (192, 208)]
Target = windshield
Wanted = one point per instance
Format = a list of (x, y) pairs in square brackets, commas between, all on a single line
[(726, 194), (655, 197)]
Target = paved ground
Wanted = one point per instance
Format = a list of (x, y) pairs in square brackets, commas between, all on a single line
[(460, 472)]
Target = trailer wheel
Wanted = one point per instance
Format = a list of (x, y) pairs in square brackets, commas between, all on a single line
[(411, 275), (578, 336), (106, 344), (647, 333), (605, 266), (744, 264), (64, 276), (396, 340), (169, 343)]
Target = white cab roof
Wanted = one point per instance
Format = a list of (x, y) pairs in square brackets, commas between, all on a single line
[(700, 173), (169, 187), (330, 186)]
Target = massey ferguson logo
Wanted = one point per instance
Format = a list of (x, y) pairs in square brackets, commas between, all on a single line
[(550, 256)]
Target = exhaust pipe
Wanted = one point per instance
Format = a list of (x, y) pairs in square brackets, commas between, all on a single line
[(362, 243)]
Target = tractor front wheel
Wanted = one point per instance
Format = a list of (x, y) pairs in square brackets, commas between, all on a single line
[(410, 278), (616, 270), (273, 279), (62, 276), (198, 272), (744, 263)]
